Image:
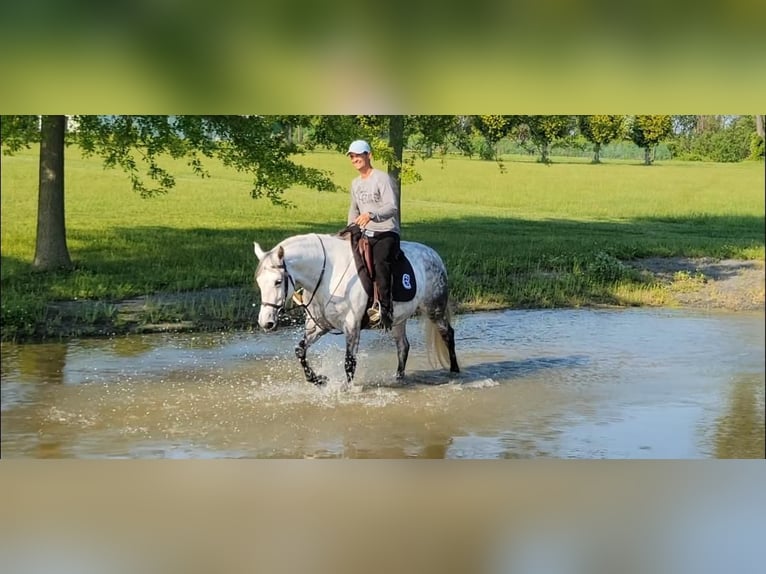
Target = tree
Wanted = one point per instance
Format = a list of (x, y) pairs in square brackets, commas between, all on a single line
[(730, 143), (600, 130), (723, 138), (50, 249), (757, 147), (252, 144), (493, 129), (707, 123), (681, 142), (647, 131), (546, 130)]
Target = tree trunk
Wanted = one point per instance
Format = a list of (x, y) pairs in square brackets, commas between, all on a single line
[(596, 153), (51, 250), (701, 124), (759, 127), (544, 153), (396, 141), (707, 123), (648, 155)]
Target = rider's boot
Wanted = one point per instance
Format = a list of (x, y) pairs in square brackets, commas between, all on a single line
[(386, 317)]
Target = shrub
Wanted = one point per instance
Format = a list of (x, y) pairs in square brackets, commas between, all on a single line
[(756, 147), (607, 268)]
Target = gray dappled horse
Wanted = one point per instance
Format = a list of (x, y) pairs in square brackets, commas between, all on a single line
[(335, 300)]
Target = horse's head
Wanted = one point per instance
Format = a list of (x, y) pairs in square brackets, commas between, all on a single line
[(275, 284)]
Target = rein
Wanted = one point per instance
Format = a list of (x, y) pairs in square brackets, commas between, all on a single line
[(319, 281)]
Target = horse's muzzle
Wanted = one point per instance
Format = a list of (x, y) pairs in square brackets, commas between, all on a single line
[(269, 326)]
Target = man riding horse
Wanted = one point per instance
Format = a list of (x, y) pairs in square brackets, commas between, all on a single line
[(374, 201), (317, 271)]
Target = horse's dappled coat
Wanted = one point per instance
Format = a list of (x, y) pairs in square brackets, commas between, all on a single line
[(335, 300)]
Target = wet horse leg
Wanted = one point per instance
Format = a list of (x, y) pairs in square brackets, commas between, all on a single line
[(402, 347), (310, 335), (352, 344), (447, 333), (448, 336)]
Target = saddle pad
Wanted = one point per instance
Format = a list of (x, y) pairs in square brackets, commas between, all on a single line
[(403, 286)]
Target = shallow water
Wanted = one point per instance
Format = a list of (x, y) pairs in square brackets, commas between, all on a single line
[(639, 383)]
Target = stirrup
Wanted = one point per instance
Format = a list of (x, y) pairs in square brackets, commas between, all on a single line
[(298, 297), (374, 312)]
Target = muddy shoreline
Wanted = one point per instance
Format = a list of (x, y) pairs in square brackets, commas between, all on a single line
[(704, 283)]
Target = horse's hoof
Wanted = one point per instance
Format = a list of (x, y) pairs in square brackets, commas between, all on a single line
[(319, 380)]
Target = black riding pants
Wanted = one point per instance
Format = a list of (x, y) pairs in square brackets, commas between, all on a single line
[(385, 247)]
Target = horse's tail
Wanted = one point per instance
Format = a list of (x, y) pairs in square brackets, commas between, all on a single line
[(435, 346)]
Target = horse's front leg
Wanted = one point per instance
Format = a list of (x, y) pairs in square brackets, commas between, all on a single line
[(310, 335), (402, 347), (352, 345)]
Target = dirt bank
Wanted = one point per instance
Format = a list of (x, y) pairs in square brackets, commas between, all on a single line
[(704, 283)]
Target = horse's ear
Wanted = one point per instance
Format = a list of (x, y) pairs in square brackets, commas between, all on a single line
[(281, 253), (259, 253)]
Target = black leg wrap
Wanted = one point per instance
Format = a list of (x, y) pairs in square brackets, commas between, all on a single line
[(403, 350), (318, 380), (451, 347), (311, 376), (350, 366), (448, 336)]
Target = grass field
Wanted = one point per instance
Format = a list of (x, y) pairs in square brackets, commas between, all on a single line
[(528, 235)]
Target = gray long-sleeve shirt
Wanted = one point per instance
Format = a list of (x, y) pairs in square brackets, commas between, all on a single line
[(377, 195)]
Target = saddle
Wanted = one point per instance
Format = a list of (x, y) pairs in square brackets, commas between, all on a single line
[(403, 286)]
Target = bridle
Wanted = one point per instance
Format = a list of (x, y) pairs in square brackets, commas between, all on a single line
[(287, 277)]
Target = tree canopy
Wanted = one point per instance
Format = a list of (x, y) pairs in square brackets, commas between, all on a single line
[(264, 147), (545, 130), (600, 130), (137, 144), (647, 131), (424, 136)]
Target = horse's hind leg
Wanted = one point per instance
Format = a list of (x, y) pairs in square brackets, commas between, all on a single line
[(402, 347), (448, 336), (310, 335), (440, 317)]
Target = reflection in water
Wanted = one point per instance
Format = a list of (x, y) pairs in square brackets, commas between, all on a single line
[(739, 432), (130, 346), (561, 383), (42, 363)]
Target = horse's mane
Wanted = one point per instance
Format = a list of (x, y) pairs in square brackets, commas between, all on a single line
[(351, 232), (337, 236)]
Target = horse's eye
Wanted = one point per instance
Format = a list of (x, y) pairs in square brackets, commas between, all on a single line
[(278, 282)]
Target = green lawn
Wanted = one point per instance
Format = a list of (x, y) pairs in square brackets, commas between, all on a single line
[(529, 235)]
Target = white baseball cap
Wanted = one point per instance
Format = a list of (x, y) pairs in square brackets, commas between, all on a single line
[(358, 146)]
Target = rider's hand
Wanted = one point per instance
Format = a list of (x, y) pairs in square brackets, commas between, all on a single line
[(363, 220)]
